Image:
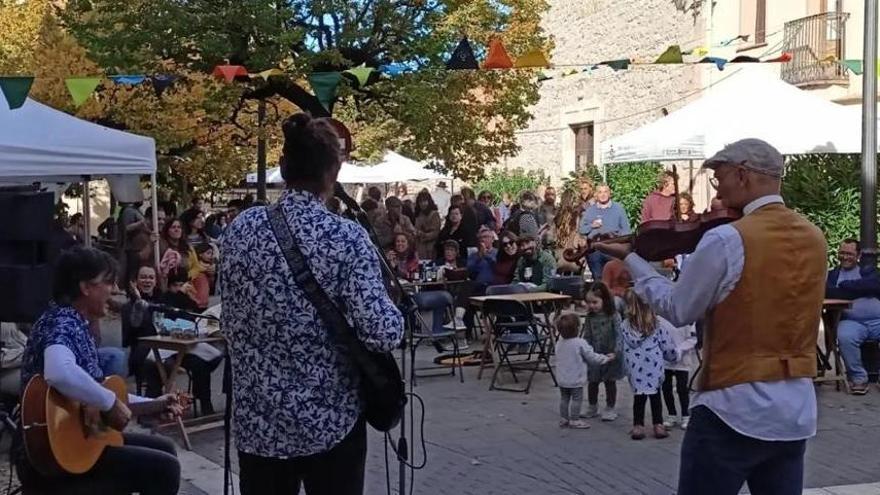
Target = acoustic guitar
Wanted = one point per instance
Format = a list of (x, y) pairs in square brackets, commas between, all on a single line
[(56, 437)]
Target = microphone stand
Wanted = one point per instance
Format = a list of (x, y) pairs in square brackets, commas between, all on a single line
[(227, 391), (407, 306)]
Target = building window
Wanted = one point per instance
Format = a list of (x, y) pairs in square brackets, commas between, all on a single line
[(753, 20), (584, 138), (760, 21)]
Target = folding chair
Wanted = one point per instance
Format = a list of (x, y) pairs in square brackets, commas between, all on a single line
[(435, 306), (513, 327)]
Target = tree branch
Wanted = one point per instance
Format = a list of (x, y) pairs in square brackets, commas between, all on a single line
[(291, 91)]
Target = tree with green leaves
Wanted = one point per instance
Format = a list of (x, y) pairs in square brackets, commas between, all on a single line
[(464, 119)]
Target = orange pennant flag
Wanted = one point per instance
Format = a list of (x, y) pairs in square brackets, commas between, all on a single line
[(497, 57), (229, 72)]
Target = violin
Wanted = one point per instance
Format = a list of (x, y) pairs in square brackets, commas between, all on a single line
[(658, 240)]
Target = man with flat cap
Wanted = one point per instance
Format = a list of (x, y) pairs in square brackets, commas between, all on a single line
[(758, 285)]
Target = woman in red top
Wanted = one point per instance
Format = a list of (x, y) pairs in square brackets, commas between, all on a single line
[(505, 264), (407, 260)]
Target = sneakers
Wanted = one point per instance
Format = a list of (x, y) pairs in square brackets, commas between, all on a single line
[(671, 422), (685, 421), (637, 433), (858, 388), (609, 414), (591, 412), (660, 431), (578, 424)]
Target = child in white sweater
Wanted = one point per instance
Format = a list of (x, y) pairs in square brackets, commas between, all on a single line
[(572, 356)]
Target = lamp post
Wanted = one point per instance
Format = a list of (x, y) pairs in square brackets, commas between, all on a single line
[(868, 230)]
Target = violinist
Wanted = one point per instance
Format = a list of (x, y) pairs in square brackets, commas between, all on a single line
[(603, 218), (759, 285)]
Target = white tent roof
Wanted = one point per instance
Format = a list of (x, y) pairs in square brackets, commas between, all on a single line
[(392, 168), (748, 103), (39, 143)]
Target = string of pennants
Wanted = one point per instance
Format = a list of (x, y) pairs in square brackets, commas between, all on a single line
[(325, 84)]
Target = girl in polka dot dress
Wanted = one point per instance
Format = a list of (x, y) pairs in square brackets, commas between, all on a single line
[(646, 344)]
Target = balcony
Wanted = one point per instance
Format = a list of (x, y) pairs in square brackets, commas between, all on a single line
[(816, 44)]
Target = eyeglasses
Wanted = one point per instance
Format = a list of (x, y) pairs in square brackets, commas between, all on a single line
[(505, 244)]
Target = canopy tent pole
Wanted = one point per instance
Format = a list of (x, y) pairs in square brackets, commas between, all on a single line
[(87, 211), (868, 230), (155, 219)]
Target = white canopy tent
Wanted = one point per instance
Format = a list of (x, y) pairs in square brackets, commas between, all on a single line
[(41, 144), (746, 103), (392, 168)]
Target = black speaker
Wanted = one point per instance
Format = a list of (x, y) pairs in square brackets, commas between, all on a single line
[(26, 232)]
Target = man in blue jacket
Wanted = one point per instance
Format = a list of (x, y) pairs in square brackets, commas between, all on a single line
[(862, 321)]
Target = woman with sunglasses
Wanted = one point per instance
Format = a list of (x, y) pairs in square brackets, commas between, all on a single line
[(505, 264)]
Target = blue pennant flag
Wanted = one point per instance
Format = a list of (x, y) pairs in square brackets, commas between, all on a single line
[(129, 79)]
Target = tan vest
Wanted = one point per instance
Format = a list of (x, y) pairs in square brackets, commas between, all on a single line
[(766, 329)]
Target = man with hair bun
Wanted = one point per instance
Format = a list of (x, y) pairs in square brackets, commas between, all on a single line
[(298, 414)]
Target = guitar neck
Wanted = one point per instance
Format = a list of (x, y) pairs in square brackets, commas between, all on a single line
[(147, 408)]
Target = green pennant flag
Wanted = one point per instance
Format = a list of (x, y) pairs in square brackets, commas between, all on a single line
[(855, 66), (617, 65), (16, 89), (361, 74), (80, 88), (324, 85), (672, 55)]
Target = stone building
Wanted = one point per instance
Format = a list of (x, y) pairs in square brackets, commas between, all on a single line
[(576, 112)]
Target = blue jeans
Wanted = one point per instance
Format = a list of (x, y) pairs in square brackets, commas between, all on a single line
[(716, 459), (113, 361), (596, 262), (851, 335)]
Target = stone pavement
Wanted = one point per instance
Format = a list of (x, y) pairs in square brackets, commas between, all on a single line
[(485, 443)]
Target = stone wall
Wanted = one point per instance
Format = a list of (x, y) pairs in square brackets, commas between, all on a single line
[(590, 31)]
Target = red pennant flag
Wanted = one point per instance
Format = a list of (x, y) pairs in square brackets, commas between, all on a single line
[(229, 72), (497, 57), (785, 57)]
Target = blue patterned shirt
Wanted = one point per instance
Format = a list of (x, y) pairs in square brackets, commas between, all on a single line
[(295, 391), (61, 325)]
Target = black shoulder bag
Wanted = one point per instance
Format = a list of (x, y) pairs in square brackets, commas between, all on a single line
[(381, 386)]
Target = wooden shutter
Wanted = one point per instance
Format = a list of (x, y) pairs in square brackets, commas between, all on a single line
[(760, 21), (583, 145)]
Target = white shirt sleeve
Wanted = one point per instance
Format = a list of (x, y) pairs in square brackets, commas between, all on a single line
[(63, 374), (708, 276)]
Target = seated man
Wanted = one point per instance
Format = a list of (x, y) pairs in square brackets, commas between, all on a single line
[(535, 266), (62, 349), (862, 321)]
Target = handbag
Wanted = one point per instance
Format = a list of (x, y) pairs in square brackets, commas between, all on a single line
[(381, 386)]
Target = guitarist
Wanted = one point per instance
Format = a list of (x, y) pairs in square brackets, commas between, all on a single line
[(298, 417), (62, 349)]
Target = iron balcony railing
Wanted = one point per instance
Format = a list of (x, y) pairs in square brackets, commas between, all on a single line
[(816, 44)]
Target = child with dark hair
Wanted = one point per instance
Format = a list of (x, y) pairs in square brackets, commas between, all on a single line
[(572, 356), (602, 331)]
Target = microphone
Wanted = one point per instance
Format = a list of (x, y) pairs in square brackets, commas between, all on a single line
[(141, 308)]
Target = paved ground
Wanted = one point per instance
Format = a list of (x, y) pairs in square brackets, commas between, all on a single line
[(485, 443)]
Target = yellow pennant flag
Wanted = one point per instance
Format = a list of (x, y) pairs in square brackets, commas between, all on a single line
[(534, 58)]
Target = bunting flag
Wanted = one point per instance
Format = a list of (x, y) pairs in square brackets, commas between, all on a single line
[(324, 84), (543, 77), (360, 74), (80, 88), (744, 59), (719, 62), (497, 57), (617, 65), (229, 72), (534, 58), (786, 57), (129, 79), (570, 72), (266, 74), (16, 89), (393, 70), (700, 51), (854, 66), (672, 55), (161, 82), (463, 57)]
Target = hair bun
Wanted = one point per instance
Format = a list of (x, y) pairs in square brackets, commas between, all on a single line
[(296, 123)]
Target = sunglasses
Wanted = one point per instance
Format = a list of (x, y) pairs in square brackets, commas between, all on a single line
[(505, 244)]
